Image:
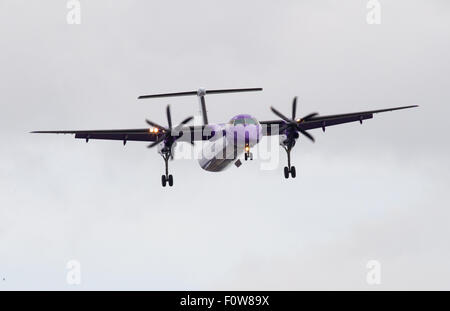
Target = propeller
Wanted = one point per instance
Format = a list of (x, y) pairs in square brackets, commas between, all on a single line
[(168, 134), (292, 124)]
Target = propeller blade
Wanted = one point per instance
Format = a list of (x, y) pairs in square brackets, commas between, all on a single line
[(169, 117), (153, 124), (309, 116), (179, 126), (294, 108), (156, 142), (306, 134), (280, 115), (187, 120)]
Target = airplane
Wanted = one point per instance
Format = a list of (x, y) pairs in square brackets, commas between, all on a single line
[(228, 141)]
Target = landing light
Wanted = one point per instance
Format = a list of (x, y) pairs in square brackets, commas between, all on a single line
[(247, 148)]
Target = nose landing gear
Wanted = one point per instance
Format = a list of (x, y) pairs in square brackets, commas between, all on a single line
[(248, 154)]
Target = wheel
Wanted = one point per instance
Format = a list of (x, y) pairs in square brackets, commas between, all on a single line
[(163, 180), (251, 156), (246, 157), (293, 172), (170, 180), (286, 172)]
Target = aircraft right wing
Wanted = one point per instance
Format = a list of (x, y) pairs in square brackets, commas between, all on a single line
[(277, 127)]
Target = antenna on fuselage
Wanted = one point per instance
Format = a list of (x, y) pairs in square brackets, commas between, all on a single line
[(201, 95)]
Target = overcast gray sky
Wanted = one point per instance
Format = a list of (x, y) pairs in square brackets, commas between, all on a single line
[(377, 191)]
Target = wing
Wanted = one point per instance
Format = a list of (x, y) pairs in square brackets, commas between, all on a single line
[(189, 134), (276, 127), (124, 135)]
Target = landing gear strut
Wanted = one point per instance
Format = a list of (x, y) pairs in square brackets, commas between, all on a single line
[(289, 169), (166, 178)]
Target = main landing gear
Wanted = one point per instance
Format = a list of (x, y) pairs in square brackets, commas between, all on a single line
[(166, 179), (289, 169), (291, 127), (166, 138)]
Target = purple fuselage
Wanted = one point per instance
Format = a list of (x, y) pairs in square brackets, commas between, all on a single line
[(229, 142)]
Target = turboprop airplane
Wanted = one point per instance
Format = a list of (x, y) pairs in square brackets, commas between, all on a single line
[(227, 141)]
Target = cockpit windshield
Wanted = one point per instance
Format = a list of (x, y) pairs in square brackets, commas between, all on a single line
[(239, 121), (250, 121), (244, 120)]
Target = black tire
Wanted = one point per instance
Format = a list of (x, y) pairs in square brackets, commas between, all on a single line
[(251, 156), (170, 180), (293, 172), (286, 172), (245, 157), (163, 180)]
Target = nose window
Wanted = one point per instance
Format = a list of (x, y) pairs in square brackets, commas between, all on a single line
[(244, 121), (239, 121), (250, 121)]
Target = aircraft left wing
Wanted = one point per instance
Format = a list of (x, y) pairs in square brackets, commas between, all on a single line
[(277, 127), (124, 135), (191, 133)]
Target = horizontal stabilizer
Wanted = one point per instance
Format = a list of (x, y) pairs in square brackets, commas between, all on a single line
[(200, 92)]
